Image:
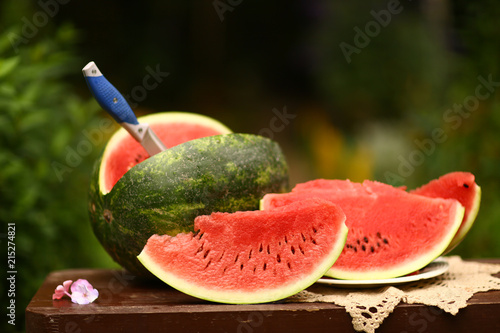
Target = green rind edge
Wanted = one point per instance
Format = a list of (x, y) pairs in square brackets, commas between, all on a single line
[(466, 225)]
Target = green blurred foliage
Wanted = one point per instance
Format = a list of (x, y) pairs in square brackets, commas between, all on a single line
[(41, 120)]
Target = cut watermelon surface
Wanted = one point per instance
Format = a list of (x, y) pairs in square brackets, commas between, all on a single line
[(250, 256), (462, 187), (173, 128), (391, 232)]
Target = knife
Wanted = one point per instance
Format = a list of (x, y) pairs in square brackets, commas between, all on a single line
[(110, 99)]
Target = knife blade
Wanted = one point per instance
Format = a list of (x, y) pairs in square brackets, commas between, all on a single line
[(110, 99)]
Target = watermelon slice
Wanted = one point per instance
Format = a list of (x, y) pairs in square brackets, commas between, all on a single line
[(391, 232), (250, 256), (173, 128), (462, 187)]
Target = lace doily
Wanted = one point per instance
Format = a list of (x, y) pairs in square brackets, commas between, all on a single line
[(449, 292)]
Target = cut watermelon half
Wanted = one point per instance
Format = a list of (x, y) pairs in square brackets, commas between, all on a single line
[(391, 232), (173, 128), (250, 256), (460, 186)]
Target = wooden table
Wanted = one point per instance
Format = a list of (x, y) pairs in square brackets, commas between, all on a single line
[(127, 304)]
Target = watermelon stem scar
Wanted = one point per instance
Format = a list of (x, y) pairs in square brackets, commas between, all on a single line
[(108, 216)]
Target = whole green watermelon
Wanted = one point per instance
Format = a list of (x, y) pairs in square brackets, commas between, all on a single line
[(164, 193)]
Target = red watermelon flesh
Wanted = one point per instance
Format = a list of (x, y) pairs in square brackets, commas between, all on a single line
[(328, 184), (173, 128), (250, 256), (391, 232), (341, 185), (462, 187)]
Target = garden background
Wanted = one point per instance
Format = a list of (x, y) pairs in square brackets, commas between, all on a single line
[(397, 91)]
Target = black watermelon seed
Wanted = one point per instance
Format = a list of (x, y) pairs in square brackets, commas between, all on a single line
[(365, 239), (363, 248)]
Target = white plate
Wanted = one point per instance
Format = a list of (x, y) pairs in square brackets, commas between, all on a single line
[(435, 268)]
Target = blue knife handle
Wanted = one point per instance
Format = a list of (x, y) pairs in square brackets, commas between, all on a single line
[(110, 99)]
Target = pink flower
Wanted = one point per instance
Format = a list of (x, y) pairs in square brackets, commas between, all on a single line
[(82, 291), (62, 290)]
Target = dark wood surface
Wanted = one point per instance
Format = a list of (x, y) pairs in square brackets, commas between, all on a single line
[(128, 304)]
